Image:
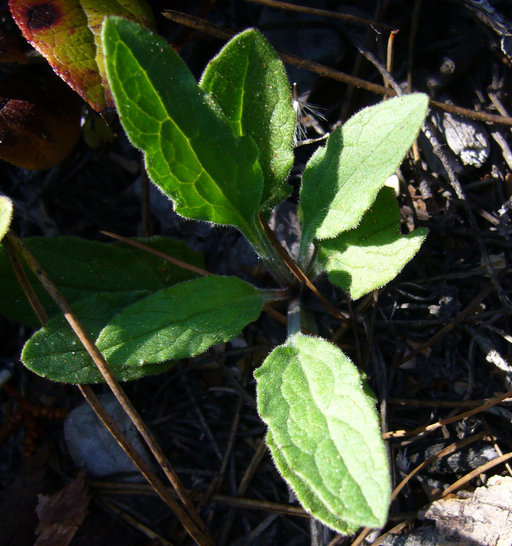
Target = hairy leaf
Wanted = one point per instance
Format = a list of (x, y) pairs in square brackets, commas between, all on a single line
[(56, 353), (312, 503), (324, 433), (248, 81), (181, 321), (343, 178), (81, 268), (190, 150), (372, 254)]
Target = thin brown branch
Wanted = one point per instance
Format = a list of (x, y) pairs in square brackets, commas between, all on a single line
[(448, 450), (474, 473), (163, 492), (324, 71), (24, 282), (252, 504), (160, 254), (322, 12), (297, 271), (425, 429)]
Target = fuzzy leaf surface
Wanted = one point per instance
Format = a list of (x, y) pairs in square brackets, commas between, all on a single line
[(342, 179), (310, 501), (191, 152), (81, 268), (6, 209), (248, 81), (181, 321), (55, 352), (372, 254), (324, 433)]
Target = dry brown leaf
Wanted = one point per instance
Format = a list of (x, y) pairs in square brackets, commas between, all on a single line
[(61, 514)]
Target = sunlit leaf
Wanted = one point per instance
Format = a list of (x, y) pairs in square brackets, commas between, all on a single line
[(191, 152), (6, 209), (181, 321), (324, 433), (343, 178), (248, 81), (56, 353)]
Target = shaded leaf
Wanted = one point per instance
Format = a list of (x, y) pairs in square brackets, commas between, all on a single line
[(324, 433), (81, 268), (190, 150), (248, 81), (61, 514), (372, 254), (167, 273), (342, 179), (11, 50), (56, 353), (6, 209), (181, 321), (39, 119)]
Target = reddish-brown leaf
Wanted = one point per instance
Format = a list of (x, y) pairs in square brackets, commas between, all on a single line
[(61, 514), (67, 34), (58, 30), (39, 119)]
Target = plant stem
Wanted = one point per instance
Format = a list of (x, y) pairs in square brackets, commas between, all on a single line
[(294, 325), (279, 294), (269, 254)]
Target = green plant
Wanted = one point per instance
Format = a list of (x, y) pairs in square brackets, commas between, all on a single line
[(222, 150)]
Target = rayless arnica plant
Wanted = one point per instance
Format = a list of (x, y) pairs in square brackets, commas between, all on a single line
[(221, 150)]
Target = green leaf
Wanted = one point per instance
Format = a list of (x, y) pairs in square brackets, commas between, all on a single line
[(372, 254), (167, 273), (181, 321), (312, 503), (6, 209), (324, 433), (248, 81), (81, 268), (137, 11), (56, 353), (190, 150), (342, 179)]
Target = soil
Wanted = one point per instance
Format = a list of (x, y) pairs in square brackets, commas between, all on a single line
[(434, 343)]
